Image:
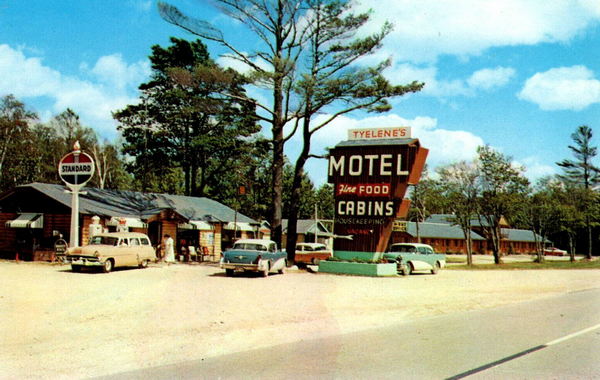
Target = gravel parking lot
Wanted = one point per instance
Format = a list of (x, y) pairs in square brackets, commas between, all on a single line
[(60, 324)]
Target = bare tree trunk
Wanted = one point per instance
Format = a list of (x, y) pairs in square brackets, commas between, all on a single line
[(571, 248), (589, 236), (496, 244), (278, 143), (469, 241), (539, 247), (101, 166)]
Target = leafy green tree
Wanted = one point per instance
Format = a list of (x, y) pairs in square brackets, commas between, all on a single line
[(304, 206), (424, 200), (69, 129), (325, 202), (16, 150), (540, 212), (583, 173), (501, 185), (332, 81), (49, 149), (253, 178), (277, 26), (460, 187), (184, 121), (310, 50), (110, 167), (571, 200), (56, 138)]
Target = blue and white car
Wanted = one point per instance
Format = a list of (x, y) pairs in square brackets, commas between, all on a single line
[(411, 257), (256, 255)]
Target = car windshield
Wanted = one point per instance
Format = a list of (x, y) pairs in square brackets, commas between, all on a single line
[(249, 247), (104, 240), (403, 248)]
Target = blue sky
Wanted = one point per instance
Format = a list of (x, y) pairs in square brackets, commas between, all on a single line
[(519, 75)]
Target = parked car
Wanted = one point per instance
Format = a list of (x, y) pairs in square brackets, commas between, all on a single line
[(256, 255), (111, 250), (553, 251), (311, 253), (412, 257)]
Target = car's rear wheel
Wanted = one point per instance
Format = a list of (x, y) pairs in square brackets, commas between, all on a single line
[(144, 264), (316, 261), (108, 266), (265, 272), (228, 272), (436, 268), (76, 268), (282, 270)]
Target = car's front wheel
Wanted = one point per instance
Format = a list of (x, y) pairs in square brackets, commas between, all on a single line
[(76, 268), (407, 270), (228, 272), (436, 268), (143, 264), (108, 266)]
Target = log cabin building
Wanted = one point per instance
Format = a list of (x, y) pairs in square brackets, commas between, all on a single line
[(34, 216)]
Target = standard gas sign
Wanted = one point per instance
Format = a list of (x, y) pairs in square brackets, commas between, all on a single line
[(76, 168)]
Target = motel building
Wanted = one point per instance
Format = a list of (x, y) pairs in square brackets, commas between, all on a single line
[(444, 236), (35, 216)]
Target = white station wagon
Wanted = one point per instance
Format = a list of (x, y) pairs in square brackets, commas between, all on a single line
[(111, 250)]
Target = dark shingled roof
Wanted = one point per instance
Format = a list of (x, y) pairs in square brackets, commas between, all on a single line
[(141, 205), (510, 234), (449, 219), (439, 231), (521, 235)]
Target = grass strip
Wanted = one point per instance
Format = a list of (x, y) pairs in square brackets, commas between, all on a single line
[(580, 264)]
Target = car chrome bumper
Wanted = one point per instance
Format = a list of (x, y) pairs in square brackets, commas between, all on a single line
[(240, 266), (262, 265), (88, 262)]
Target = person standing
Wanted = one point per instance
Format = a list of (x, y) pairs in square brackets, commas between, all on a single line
[(169, 249)]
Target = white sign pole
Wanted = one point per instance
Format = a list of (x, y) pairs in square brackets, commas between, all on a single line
[(74, 241)]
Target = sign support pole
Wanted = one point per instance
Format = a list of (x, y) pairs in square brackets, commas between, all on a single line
[(74, 235)]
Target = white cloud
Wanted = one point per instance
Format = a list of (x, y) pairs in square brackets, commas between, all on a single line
[(535, 169), (406, 73), (445, 146), (487, 79), (28, 77), (563, 88), (426, 29), (25, 77), (484, 79), (143, 6), (114, 71)]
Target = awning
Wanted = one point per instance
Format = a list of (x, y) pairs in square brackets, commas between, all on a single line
[(27, 220), (195, 225), (240, 226), (127, 221)]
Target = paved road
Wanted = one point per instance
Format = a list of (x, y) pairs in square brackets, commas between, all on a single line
[(556, 337)]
